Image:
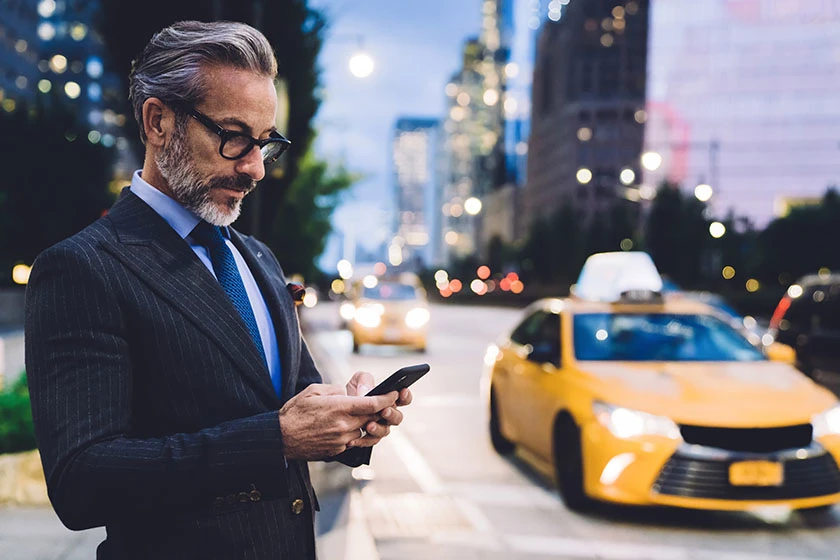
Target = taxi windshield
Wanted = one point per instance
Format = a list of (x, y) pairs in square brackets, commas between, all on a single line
[(390, 291), (657, 337)]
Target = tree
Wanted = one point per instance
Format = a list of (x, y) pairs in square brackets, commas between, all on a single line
[(801, 242), (301, 227), (54, 181), (677, 236)]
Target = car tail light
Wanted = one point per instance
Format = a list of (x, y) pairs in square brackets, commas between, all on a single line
[(779, 313)]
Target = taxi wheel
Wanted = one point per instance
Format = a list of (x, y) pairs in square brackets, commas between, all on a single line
[(355, 346), (568, 463), (501, 444)]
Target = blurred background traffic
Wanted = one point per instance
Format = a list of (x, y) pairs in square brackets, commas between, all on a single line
[(453, 166)]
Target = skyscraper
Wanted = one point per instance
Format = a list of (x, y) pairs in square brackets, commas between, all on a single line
[(588, 115), (473, 145), (414, 156), (742, 95), (52, 50)]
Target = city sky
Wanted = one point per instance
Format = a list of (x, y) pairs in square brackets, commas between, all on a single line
[(417, 47)]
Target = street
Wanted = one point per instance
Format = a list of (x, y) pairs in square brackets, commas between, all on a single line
[(436, 489)]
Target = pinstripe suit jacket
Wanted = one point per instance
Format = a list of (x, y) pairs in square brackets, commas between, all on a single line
[(154, 412)]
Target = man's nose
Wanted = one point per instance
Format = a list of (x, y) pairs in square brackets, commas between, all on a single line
[(251, 164)]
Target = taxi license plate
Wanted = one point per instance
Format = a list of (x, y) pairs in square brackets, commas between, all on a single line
[(756, 473), (391, 334)]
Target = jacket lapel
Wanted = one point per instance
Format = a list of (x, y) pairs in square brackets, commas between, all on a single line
[(150, 248)]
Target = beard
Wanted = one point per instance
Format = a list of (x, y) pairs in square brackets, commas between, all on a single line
[(190, 188)]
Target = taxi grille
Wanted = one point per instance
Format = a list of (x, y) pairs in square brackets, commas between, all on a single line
[(709, 479), (754, 440)]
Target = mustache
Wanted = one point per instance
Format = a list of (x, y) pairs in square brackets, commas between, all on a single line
[(241, 183)]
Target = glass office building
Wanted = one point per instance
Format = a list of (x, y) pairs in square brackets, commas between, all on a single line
[(743, 95)]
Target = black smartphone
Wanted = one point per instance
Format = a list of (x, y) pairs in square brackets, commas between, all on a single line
[(400, 379)]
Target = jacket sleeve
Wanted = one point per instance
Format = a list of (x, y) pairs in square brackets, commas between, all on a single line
[(80, 378)]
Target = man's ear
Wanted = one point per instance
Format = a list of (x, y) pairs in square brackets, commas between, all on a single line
[(158, 121)]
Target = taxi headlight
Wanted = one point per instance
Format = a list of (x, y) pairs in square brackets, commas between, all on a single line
[(417, 317), (827, 422), (369, 316), (626, 423), (347, 310)]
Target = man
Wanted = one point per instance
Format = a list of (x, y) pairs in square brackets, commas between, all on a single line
[(174, 400)]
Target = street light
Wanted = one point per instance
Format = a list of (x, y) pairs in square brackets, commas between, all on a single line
[(703, 192), (361, 64), (651, 161), (717, 230), (472, 206)]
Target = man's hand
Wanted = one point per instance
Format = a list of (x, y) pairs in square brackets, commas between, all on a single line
[(321, 421), (360, 384)]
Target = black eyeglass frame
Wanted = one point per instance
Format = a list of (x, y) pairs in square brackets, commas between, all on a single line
[(225, 135)]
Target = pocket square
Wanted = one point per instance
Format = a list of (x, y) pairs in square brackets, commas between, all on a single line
[(297, 291)]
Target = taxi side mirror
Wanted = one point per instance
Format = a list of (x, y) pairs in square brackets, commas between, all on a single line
[(779, 352)]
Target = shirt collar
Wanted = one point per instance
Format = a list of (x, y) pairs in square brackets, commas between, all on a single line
[(179, 218)]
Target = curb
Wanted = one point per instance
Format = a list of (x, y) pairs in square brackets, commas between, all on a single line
[(22, 480)]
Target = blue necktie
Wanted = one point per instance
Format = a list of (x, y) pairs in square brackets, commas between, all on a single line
[(224, 265)]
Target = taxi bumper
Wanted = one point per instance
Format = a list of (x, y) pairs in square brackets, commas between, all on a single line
[(661, 471)]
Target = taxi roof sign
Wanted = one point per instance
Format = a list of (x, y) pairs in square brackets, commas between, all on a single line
[(611, 276)]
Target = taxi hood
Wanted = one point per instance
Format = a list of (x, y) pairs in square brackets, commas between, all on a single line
[(732, 394)]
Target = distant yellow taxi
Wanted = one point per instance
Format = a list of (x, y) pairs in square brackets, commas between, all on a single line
[(388, 311), (641, 400)]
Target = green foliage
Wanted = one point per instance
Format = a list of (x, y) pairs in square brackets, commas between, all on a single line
[(54, 182), (557, 247), (677, 236), (801, 242), (300, 229), (16, 430)]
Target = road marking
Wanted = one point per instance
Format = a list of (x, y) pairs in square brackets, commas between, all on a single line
[(598, 549), (416, 464), (508, 495), (360, 544)]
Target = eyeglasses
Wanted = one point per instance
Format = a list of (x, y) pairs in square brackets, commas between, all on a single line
[(235, 145)]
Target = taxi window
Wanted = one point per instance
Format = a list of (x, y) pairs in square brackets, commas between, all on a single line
[(541, 331), (633, 337), (527, 329), (390, 291)]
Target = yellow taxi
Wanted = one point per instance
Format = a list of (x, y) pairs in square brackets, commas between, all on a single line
[(623, 396), (388, 311)]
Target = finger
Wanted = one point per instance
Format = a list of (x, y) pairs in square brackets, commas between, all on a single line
[(376, 430), (360, 384), (321, 389), (368, 406), (405, 397), (392, 416)]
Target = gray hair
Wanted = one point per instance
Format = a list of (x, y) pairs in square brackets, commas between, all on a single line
[(171, 66)]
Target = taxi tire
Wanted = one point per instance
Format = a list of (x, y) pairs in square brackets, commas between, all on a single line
[(568, 464), (501, 444), (355, 345)]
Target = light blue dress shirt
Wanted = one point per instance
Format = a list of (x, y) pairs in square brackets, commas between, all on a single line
[(183, 222)]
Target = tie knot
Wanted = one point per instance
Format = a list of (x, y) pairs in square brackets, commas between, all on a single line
[(208, 235)]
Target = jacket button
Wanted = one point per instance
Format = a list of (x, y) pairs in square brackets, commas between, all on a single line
[(297, 506)]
